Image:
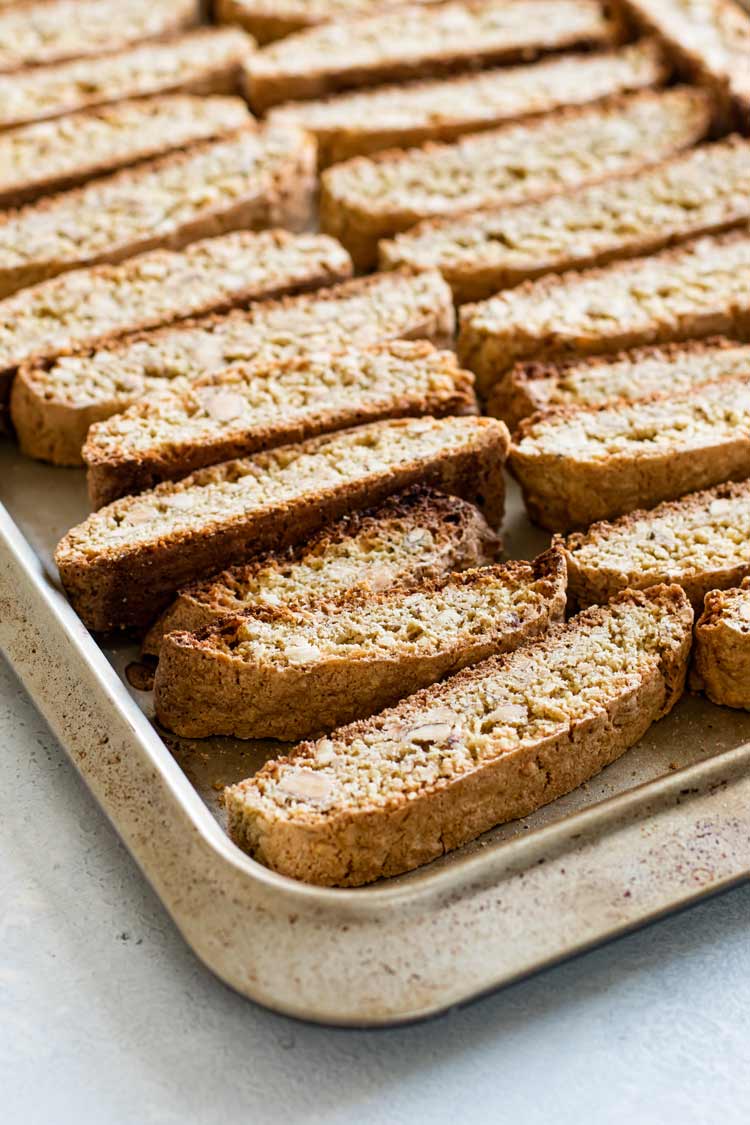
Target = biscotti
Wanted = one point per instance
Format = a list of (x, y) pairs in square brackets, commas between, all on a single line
[(411, 537), (493, 743), (578, 466), (267, 20), (53, 155), (55, 402), (363, 122), (369, 198), (701, 541), (242, 411), (722, 648), (639, 373), (121, 565), (700, 192), (49, 31), (204, 61), (291, 673), (249, 179), (421, 40), (696, 290)]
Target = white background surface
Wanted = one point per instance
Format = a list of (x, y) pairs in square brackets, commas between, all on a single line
[(107, 1018)]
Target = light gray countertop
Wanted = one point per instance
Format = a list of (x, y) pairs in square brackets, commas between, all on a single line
[(107, 1018)]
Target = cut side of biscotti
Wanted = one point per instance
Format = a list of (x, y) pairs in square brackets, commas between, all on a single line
[(497, 741), (242, 410), (692, 291), (699, 192), (410, 538), (121, 565), (369, 198), (267, 20), (419, 40), (363, 122), (291, 673), (578, 466), (639, 373), (251, 178), (721, 665), (701, 541)]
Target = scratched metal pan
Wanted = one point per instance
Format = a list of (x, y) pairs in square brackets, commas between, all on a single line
[(661, 828)]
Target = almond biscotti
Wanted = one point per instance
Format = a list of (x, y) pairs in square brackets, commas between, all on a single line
[(291, 673), (267, 20), (722, 648), (121, 565), (243, 410), (701, 541), (699, 192), (54, 402), (578, 466), (419, 40), (369, 198), (493, 743), (53, 155), (363, 122), (414, 536), (696, 290), (248, 179)]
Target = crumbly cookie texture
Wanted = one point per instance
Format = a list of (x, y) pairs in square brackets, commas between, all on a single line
[(267, 20), (121, 566), (721, 655), (369, 198), (495, 742), (577, 466)]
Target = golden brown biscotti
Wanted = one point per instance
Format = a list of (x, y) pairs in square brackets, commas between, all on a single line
[(374, 197), (242, 410), (267, 20), (48, 31), (493, 743), (55, 401), (721, 653), (418, 40), (249, 179), (292, 672), (638, 373), (411, 537), (121, 565), (578, 466), (363, 122), (693, 291), (700, 192), (701, 541), (51, 156)]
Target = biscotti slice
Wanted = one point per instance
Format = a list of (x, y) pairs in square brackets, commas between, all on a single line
[(53, 155), (55, 402), (639, 373), (267, 20), (413, 536), (721, 655), (363, 122), (699, 192), (292, 673), (696, 290), (369, 198), (578, 466), (49, 31), (243, 410), (419, 40), (249, 179), (493, 743), (121, 565), (701, 541)]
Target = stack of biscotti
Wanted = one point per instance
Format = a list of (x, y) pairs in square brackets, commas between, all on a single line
[(243, 410), (495, 742), (369, 198), (54, 402), (699, 192), (267, 20), (414, 536), (121, 566), (292, 672), (722, 648), (367, 121), (418, 41)]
